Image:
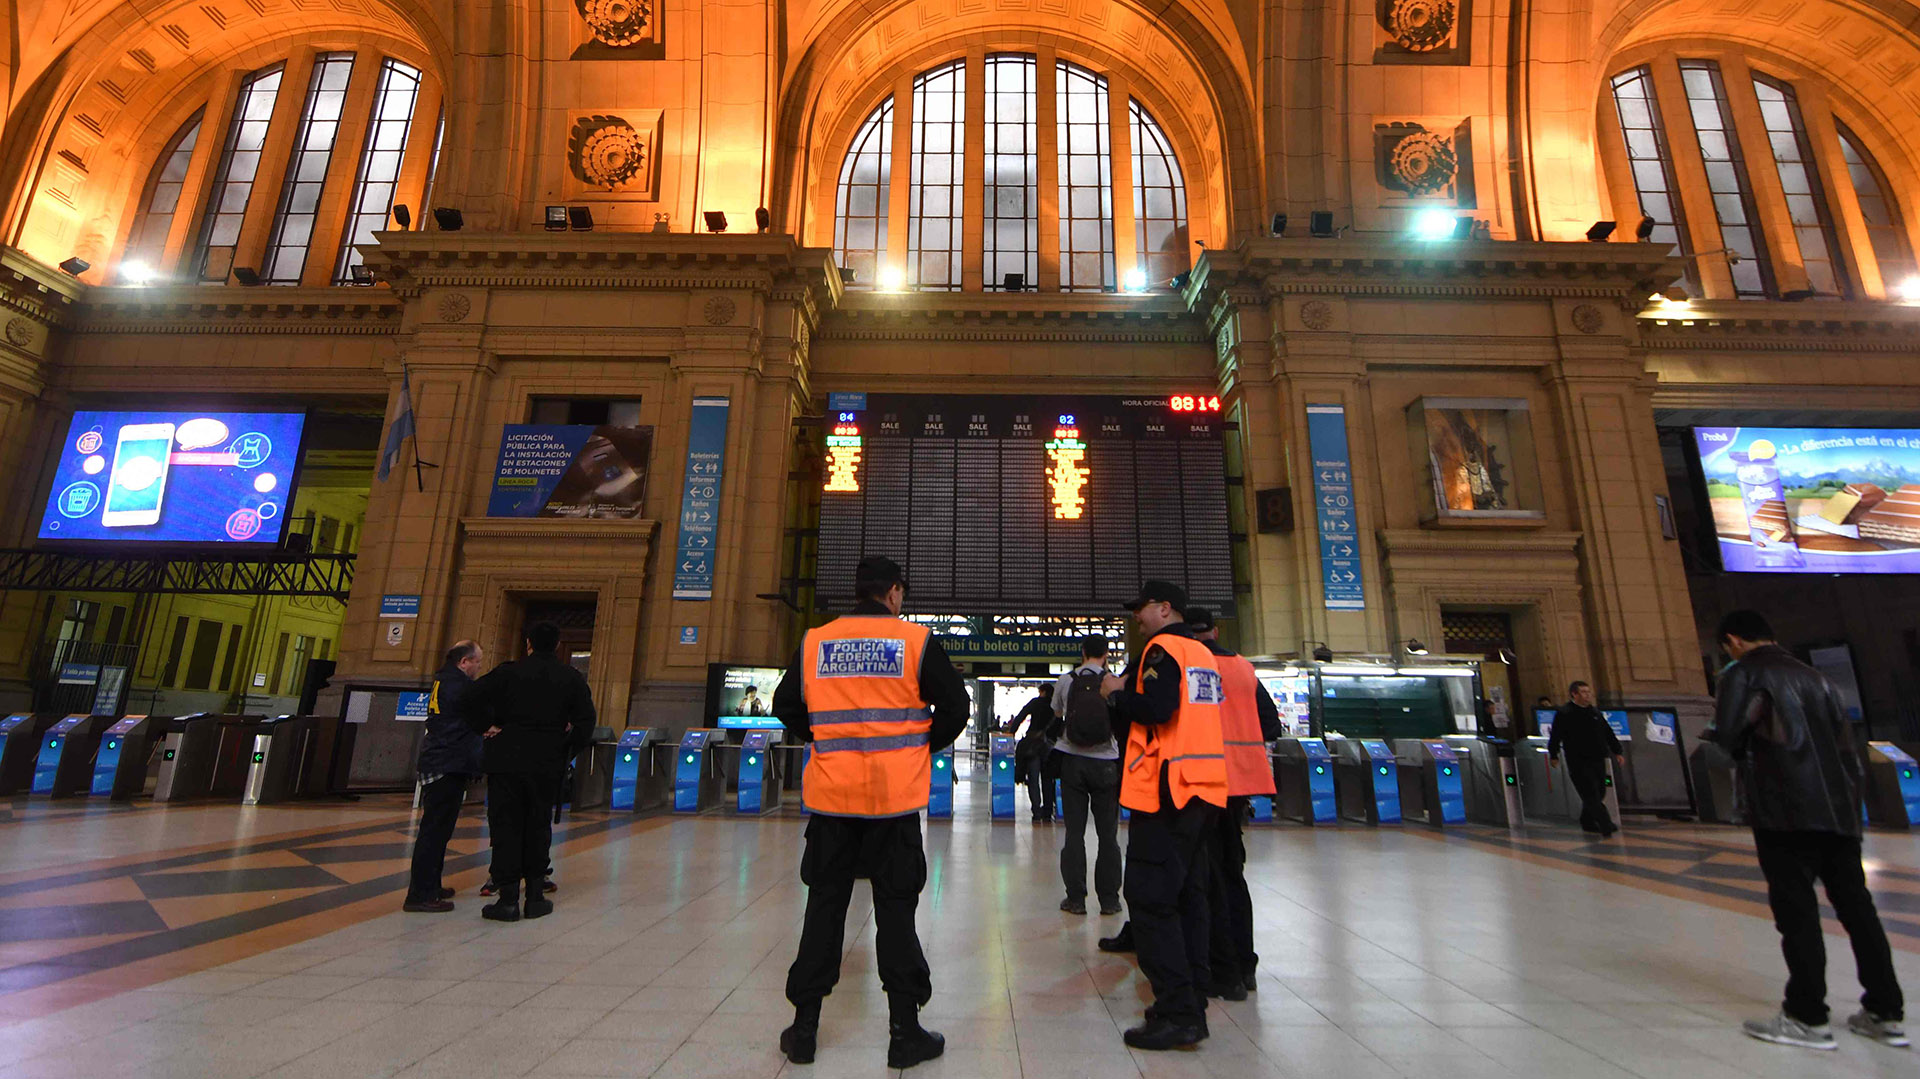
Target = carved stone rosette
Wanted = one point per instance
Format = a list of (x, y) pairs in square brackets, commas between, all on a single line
[(617, 23), (1423, 162), (607, 152), (1421, 25)]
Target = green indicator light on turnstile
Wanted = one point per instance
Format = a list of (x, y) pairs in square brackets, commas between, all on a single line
[(1003, 766), (258, 757), (1319, 769), (1609, 781), (53, 743), (1906, 773), (626, 756), (941, 763), (1446, 771), (753, 760), (113, 745), (1383, 769), (689, 758), (1511, 781), (169, 754)]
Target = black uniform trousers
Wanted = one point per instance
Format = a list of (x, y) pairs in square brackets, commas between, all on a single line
[(1090, 787), (1791, 862), (1229, 901), (440, 803), (1166, 886), (888, 852), (1589, 779), (520, 823)]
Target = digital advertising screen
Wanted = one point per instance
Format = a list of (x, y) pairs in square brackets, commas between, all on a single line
[(174, 477), (743, 697), (1813, 499), (570, 470)]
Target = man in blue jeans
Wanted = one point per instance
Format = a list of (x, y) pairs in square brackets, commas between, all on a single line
[(1089, 780)]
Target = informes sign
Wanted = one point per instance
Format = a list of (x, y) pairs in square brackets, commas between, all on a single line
[(1028, 504), (1334, 509), (1813, 499), (741, 698), (571, 470), (174, 477), (700, 499)]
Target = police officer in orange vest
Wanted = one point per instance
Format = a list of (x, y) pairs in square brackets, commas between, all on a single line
[(1249, 720), (876, 696), (1174, 780)]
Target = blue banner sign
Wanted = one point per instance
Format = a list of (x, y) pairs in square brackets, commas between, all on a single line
[(1334, 509), (847, 402), (413, 707), (393, 605), (700, 499)]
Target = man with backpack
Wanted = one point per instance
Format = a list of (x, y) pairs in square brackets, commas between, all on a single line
[(1089, 780)]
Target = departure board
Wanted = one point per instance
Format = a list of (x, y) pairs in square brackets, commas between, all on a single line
[(1025, 504)]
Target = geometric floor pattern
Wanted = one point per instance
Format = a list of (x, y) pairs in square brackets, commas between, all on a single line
[(226, 941)]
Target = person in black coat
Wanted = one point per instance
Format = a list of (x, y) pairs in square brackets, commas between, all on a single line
[(1588, 739), (449, 759), (1785, 725), (535, 714)]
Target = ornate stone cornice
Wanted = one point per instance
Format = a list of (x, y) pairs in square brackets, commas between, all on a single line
[(34, 290), (227, 309), (1158, 318), (412, 261), (1398, 267), (572, 529), (1776, 326)]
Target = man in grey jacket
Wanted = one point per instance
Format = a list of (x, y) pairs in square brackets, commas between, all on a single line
[(1783, 722)]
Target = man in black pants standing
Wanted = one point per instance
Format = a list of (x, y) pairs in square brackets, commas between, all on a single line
[(1783, 721), (1582, 730), (534, 713), (449, 759)]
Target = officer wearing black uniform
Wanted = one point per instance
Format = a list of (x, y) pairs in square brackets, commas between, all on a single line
[(449, 759), (859, 690)]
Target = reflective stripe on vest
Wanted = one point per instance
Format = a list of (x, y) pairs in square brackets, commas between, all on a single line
[(1189, 746), (1249, 769), (861, 681)]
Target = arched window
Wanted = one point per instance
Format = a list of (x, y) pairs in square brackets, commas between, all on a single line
[(148, 241), (1041, 201), (233, 178), (378, 176), (1738, 120), (307, 172)]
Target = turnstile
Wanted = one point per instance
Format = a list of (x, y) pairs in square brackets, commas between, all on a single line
[(1366, 781), (1492, 788), (699, 783), (1432, 787), (120, 766), (1544, 794), (1303, 776), (20, 736), (758, 788), (639, 780), (1000, 775), (283, 750), (940, 794), (1893, 786), (207, 756), (65, 763), (593, 772), (1715, 789)]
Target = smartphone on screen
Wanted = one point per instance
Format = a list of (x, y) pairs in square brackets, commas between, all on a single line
[(139, 475)]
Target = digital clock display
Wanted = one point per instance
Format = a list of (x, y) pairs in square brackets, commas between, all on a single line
[(1181, 402)]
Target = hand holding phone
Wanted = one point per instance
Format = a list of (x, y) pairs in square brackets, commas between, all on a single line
[(139, 478)]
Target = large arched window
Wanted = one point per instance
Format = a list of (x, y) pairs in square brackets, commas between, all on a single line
[(1787, 202), (161, 200), (1041, 203)]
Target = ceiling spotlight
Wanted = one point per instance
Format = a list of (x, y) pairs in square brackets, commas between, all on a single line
[(76, 266), (1676, 294), (136, 273), (360, 273), (402, 216), (1433, 225), (246, 275), (1179, 282), (1320, 224), (892, 279), (848, 276), (1600, 231), (1908, 291), (716, 221), (1137, 280), (1013, 282), (448, 218), (1279, 224), (1644, 230), (580, 218), (1321, 652), (763, 220), (556, 219), (1796, 295), (1415, 648)]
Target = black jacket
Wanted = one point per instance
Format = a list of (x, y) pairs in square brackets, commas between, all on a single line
[(543, 709), (452, 746), (1159, 701), (940, 687), (1783, 721), (1583, 731)]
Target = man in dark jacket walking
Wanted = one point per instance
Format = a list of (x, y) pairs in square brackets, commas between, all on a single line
[(1784, 723), (449, 759), (535, 713), (1588, 739)]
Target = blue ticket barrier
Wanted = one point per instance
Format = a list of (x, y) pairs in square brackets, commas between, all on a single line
[(1303, 772), (940, 794), (697, 780), (638, 780), (1367, 781), (120, 767), (1000, 775), (1059, 803), (758, 789), (66, 756), (1432, 782), (20, 737), (1893, 786), (1261, 808)]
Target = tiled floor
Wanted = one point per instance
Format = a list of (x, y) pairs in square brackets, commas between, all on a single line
[(218, 941)]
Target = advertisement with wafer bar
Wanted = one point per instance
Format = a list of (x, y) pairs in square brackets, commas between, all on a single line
[(1813, 499)]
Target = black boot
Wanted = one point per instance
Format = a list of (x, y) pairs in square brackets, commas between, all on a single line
[(1119, 942), (909, 1043), (797, 1041), (538, 905), (1160, 1033), (505, 906)]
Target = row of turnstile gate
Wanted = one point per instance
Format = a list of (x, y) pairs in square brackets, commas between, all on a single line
[(252, 758)]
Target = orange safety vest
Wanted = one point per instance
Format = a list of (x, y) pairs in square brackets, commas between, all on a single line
[(1189, 745), (861, 678), (1249, 769)]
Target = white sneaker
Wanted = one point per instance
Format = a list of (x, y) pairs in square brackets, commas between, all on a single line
[(1783, 1029), (1885, 1031)]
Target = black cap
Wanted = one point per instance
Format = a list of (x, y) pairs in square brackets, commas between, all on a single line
[(1160, 592), (1199, 619), (876, 574)]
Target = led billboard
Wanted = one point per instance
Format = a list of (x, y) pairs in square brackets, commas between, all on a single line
[(1813, 499)]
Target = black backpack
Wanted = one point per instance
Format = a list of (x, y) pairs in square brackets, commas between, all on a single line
[(1089, 722)]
